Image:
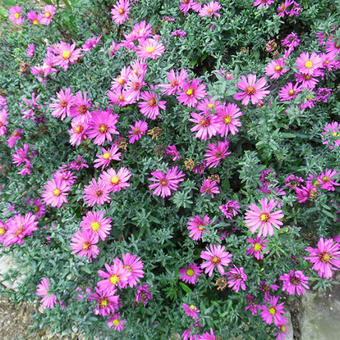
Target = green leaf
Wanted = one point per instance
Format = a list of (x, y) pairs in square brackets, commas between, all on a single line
[(185, 287)]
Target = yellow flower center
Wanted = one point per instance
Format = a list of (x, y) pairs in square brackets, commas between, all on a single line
[(278, 68), (116, 322), (272, 311), (2, 230), (227, 120), (190, 272), (17, 15), (326, 179), (163, 182), (257, 246), (150, 49), (215, 260), (56, 192), (66, 54), (78, 129), (35, 22), (47, 14), (192, 307), (189, 91), (121, 11), (152, 102), (200, 227), (264, 217), (95, 226), (325, 257), (114, 279), (103, 302), (115, 180), (211, 105), (128, 268), (308, 64), (283, 328), (121, 81), (103, 128), (250, 90), (86, 245), (106, 155), (291, 92), (36, 208)]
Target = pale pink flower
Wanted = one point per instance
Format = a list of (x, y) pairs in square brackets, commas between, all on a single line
[(150, 48), (78, 132), (91, 43), (289, 92), (257, 247), (34, 18), (80, 107), (230, 209), (326, 181), (106, 303), (137, 131), (216, 257), (3, 122), (15, 15), (55, 192), (308, 64), (107, 156), (48, 14), (151, 105), (236, 279), (66, 54), (120, 11), (175, 82), (276, 68), (263, 3), (116, 181), (191, 92), (274, 312), (210, 9), (228, 119), (43, 289), (191, 310), (134, 266), (209, 187), (116, 322)]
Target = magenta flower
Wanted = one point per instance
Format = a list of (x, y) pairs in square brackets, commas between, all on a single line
[(216, 257), (55, 192), (251, 90), (276, 68), (308, 64), (236, 279), (137, 131), (3, 122), (206, 125), (294, 281), (175, 82), (80, 107), (197, 226), (66, 54), (96, 223), (191, 92), (330, 134), (326, 181), (263, 218), (172, 152), (120, 12), (43, 289), (292, 181), (258, 245), (210, 9), (96, 193), (263, 3), (30, 50), (273, 313), (134, 265), (15, 136), (282, 329), (116, 181), (164, 183), (91, 43), (305, 193), (62, 105), (289, 92), (325, 258), (190, 273), (116, 322), (216, 153), (47, 14), (230, 209), (106, 303), (227, 118), (252, 306), (15, 15), (83, 243), (143, 294), (191, 310), (150, 107), (209, 187), (78, 132), (150, 48), (107, 156)]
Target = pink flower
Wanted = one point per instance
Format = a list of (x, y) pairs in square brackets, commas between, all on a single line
[(179, 33), (216, 257), (227, 119), (140, 30), (116, 181), (258, 245), (107, 156), (216, 153), (230, 209), (43, 289), (106, 303), (96, 193), (197, 226), (191, 92), (263, 218), (62, 105), (96, 223), (325, 258), (275, 69), (330, 134), (134, 266), (263, 3), (30, 50), (207, 336), (143, 294), (190, 273), (150, 48), (80, 107), (102, 126), (166, 182), (120, 12), (175, 82), (206, 127), (326, 181), (307, 192), (282, 9), (48, 14), (189, 4), (306, 80), (150, 107), (115, 276), (209, 187), (34, 18), (137, 131), (66, 54), (55, 192), (15, 15), (274, 312), (83, 243), (78, 132), (308, 64), (251, 90), (91, 43), (3, 122), (15, 136), (210, 9), (191, 310), (116, 322), (172, 151), (332, 45), (294, 281), (289, 92), (283, 329), (236, 278)]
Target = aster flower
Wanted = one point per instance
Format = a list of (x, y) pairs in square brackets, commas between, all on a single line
[(325, 258), (116, 322), (230, 209), (15, 136), (291, 41), (30, 50), (116, 181), (282, 8), (295, 280), (66, 54), (191, 310), (251, 90), (216, 257), (308, 64), (216, 153), (102, 126), (262, 3), (263, 219), (304, 193), (78, 164), (172, 152), (258, 245), (43, 289), (190, 273), (137, 131), (274, 313), (276, 68), (186, 5), (165, 182), (175, 82), (332, 45), (120, 12), (96, 193), (55, 192), (150, 48), (323, 94), (61, 105), (209, 187), (80, 107), (206, 125), (236, 278), (139, 30), (91, 43), (106, 303), (179, 33), (3, 231), (134, 265), (307, 81), (83, 243), (34, 18), (282, 329), (47, 14), (115, 276), (15, 15), (330, 134), (289, 92), (107, 156), (143, 294), (3, 122), (96, 223), (78, 132), (39, 208), (150, 107), (292, 181), (191, 92), (210, 9), (326, 181), (197, 225), (227, 119)]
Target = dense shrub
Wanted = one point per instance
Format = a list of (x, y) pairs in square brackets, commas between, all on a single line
[(167, 171)]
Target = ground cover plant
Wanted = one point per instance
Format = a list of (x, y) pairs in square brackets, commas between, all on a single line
[(169, 168)]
